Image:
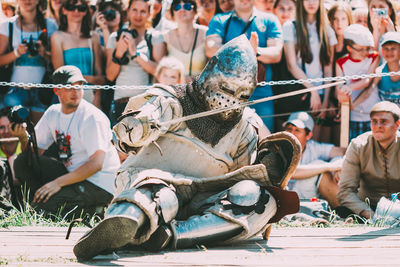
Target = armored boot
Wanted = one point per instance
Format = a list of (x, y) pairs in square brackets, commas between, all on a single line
[(122, 220)]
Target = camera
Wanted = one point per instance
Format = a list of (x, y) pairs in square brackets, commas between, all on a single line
[(381, 12), (133, 32), (18, 114), (33, 47), (110, 14)]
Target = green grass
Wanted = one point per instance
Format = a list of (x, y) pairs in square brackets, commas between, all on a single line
[(26, 215)]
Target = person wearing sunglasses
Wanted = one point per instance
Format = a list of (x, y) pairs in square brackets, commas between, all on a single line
[(187, 41), (24, 44), (132, 53), (75, 44), (265, 34)]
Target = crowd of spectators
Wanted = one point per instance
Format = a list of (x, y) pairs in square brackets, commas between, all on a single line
[(142, 42)]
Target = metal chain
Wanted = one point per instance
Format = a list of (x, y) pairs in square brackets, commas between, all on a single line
[(144, 87)]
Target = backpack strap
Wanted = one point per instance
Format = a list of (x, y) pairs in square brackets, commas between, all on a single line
[(147, 37), (10, 35)]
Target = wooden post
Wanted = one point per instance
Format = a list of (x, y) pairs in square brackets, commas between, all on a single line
[(344, 124)]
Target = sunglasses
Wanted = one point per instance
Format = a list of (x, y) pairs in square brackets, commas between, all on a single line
[(71, 7), (185, 6)]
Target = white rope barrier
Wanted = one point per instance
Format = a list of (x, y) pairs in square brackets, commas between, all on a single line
[(143, 87)]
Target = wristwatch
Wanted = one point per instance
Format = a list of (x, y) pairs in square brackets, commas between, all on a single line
[(135, 56)]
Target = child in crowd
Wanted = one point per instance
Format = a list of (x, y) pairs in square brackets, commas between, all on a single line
[(170, 71), (360, 16), (360, 60), (388, 86)]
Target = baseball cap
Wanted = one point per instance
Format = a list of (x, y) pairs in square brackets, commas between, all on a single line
[(301, 119), (390, 37), (67, 75), (386, 106), (359, 35)]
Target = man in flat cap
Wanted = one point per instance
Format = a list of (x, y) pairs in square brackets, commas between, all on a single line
[(371, 168)]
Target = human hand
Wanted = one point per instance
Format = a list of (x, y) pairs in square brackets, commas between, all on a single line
[(344, 94), (254, 41), (22, 49), (315, 101), (101, 21), (368, 214), (121, 46), (131, 43), (18, 130), (44, 193)]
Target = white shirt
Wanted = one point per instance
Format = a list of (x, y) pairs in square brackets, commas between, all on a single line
[(89, 131), (314, 69)]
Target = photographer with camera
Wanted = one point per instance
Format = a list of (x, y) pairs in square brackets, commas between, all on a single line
[(82, 177), (109, 19), (381, 19), (132, 54), (24, 44)]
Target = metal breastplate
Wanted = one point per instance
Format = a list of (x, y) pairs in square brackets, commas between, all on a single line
[(183, 155)]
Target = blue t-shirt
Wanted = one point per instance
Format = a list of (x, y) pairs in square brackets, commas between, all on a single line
[(388, 89)]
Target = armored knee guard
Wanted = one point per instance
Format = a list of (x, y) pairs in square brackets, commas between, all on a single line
[(241, 213)]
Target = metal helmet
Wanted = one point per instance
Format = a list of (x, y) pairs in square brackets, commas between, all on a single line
[(229, 78)]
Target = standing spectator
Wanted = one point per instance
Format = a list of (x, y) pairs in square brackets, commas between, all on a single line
[(109, 19), (132, 54), (388, 86), (207, 10), (29, 53), (371, 165), (264, 31), (265, 5), (158, 19), (381, 19), (225, 5), (170, 71), (187, 41), (75, 44), (340, 17), (360, 60), (315, 176), (53, 10), (285, 10), (309, 49), (83, 177)]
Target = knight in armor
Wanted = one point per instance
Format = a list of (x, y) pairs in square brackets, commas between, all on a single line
[(196, 182)]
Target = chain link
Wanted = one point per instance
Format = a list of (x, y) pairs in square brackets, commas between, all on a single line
[(144, 87)]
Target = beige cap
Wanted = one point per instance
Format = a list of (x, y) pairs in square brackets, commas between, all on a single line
[(386, 106)]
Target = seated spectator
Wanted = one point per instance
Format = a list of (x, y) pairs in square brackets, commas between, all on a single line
[(82, 178), (315, 176), (8, 149), (371, 166), (388, 86), (361, 59), (170, 71)]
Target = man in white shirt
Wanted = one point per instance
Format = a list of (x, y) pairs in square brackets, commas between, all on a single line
[(315, 176), (83, 176)]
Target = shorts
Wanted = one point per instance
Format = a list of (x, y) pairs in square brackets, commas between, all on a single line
[(27, 98), (306, 188)]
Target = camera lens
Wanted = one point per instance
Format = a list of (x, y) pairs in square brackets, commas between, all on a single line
[(110, 14)]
